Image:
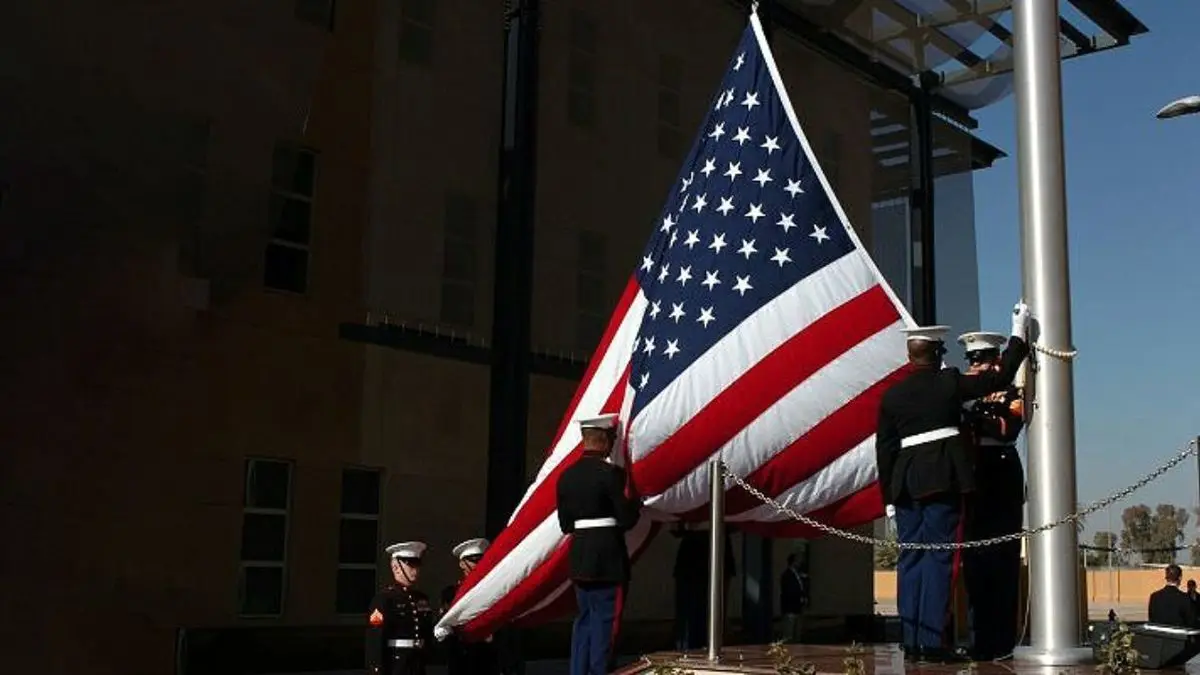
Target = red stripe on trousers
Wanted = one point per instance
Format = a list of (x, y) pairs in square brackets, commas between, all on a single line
[(955, 564), (761, 386)]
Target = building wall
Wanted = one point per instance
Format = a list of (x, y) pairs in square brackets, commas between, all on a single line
[(146, 361), (143, 360)]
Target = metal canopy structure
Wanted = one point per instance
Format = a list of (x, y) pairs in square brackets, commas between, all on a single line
[(962, 47)]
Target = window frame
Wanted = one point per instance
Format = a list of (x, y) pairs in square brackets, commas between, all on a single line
[(282, 565), (345, 515), (310, 201)]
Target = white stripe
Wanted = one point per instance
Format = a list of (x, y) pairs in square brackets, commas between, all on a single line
[(635, 540), (508, 573), (795, 414), (928, 437), (774, 323), (604, 379), (846, 475), (785, 102)]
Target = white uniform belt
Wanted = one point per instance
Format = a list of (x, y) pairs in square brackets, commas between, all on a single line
[(406, 644), (928, 436), (991, 442), (593, 523)]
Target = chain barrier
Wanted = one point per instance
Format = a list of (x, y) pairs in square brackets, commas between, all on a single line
[(1071, 518), (1064, 354)]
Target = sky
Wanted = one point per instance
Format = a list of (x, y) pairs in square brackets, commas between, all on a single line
[(1133, 192)]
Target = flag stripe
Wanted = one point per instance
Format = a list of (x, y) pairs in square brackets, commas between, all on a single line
[(847, 474), (536, 582), (539, 509), (856, 508), (603, 374), (834, 436), (776, 437), (777, 322), (744, 400)]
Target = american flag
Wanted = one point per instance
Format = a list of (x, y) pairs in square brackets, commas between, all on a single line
[(756, 329)]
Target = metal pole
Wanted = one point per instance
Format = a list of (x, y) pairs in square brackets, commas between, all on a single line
[(716, 561), (513, 291), (1054, 570)]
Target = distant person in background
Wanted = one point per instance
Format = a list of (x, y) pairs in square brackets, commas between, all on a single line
[(793, 598), (1169, 605)]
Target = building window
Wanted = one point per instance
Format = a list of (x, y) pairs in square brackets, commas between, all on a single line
[(581, 77), (590, 296), (286, 263), (317, 12), (416, 31), (358, 540), (266, 502), (670, 93), (460, 257)]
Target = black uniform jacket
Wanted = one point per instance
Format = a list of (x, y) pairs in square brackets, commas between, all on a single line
[(397, 613), (1170, 606), (926, 400), (588, 489), (995, 421)]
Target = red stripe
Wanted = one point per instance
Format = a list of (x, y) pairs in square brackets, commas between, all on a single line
[(825, 442), (761, 386), (863, 506), (539, 506), (543, 580), (616, 624), (948, 637)]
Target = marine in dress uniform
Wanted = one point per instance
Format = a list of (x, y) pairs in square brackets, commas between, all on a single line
[(468, 658), (594, 508), (924, 469), (993, 573), (400, 619)]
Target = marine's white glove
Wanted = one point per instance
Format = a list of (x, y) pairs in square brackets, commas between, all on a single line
[(441, 633), (890, 511), (1020, 320)]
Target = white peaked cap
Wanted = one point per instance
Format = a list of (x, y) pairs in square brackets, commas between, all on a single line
[(927, 333), (981, 340), (470, 547), (607, 422), (407, 549)]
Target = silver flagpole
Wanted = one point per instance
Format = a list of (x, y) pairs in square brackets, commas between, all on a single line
[(716, 561), (1053, 555)]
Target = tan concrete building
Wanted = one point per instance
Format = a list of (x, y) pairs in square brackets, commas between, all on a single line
[(197, 196)]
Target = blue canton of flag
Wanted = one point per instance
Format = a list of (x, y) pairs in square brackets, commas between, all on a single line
[(747, 219)]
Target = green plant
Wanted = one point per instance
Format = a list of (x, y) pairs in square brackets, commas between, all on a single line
[(1118, 657), (785, 663)]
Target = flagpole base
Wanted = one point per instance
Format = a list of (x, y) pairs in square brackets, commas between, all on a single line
[(1070, 656)]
